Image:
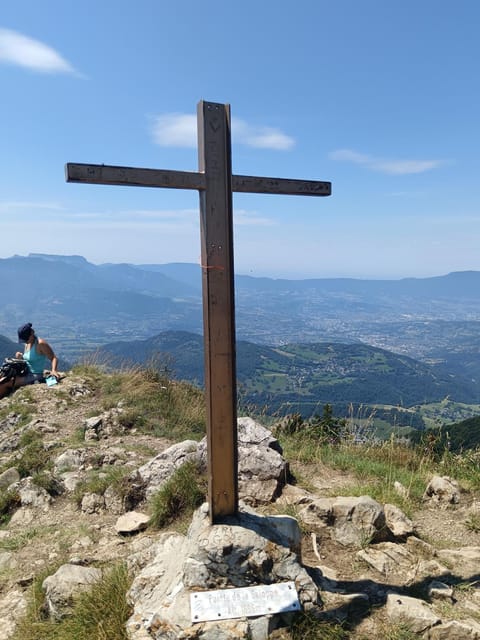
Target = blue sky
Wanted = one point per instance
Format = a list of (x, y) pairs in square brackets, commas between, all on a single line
[(380, 97)]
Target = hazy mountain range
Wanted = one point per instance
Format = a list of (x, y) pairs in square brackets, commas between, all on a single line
[(408, 341), (71, 298)]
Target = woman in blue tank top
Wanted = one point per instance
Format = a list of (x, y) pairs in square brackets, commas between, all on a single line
[(37, 354)]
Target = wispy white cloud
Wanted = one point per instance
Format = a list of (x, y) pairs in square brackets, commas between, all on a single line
[(243, 217), (180, 130), (260, 137), (25, 206), (175, 130), (128, 218), (18, 49), (407, 194), (170, 217), (392, 167)]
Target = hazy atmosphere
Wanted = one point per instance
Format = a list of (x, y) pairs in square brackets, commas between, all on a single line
[(380, 98)]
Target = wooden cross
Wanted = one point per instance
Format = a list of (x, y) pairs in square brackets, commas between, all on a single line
[(215, 184)]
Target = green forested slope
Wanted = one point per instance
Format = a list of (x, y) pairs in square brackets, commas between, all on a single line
[(304, 376)]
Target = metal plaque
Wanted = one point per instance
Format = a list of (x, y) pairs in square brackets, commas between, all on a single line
[(223, 604)]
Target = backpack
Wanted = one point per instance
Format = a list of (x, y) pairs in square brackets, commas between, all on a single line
[(13, 368)]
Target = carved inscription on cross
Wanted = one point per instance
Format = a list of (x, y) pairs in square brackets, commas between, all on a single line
[(215, 184)]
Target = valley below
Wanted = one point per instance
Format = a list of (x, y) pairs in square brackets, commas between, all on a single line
[(387, 355)]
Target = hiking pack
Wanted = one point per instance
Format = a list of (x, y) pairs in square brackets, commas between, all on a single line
[(13, 368)]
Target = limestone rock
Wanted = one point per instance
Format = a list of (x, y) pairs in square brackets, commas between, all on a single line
[(262, 471), (8, 477), (261, 474), (70, 480), (387, 558), (442, 489), (158, 470), (31, 495), (415, 614), (94, 423), (297, 496), (7, 560), (68, 580), (13, 606), (132, 522), (420, 547), (339, 606), (22, 518), (69, 460), (424, 569), (243, 551), (400, 489), (397, 521), (92, 503), (357, 521), (455, 630), (465, 560), (251, 433), (440, 591)]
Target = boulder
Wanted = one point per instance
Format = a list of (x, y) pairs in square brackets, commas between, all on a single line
[(69, 460), (397, 521), (8, 477), (92, 503), (466, 560), (442, 489), (246, 550), (158, 470), (251, 432), (7, 560), (455, 630), (387, 558), (262, 471), (61, 587), (131, 522), (355, 521), (416, 615), (31, 495)]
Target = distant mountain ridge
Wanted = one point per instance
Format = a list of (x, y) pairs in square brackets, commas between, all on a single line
[(458, 284), (80, 306)]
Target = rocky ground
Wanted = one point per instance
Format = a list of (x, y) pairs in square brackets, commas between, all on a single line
[(376, 571)]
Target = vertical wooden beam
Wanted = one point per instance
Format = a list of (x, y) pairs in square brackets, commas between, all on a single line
[(216, 227)]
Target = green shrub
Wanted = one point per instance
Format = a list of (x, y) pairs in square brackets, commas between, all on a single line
[(180, 495)]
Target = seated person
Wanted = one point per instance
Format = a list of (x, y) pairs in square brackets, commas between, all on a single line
[(37, 353)]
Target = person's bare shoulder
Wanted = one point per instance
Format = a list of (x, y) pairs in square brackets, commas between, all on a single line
[(44, 347)]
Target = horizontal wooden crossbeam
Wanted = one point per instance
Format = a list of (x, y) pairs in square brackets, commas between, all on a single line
[(128, 176)]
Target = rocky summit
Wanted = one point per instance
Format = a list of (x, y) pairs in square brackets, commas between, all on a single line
[(78, 484)]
